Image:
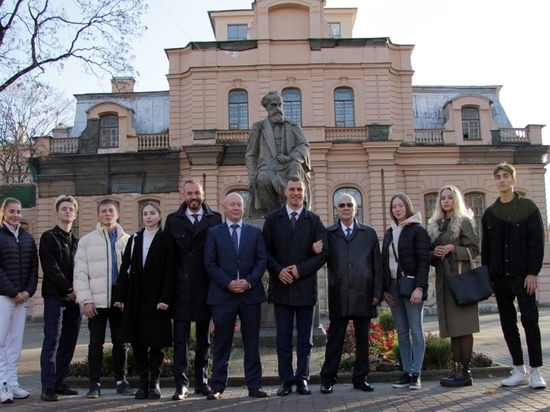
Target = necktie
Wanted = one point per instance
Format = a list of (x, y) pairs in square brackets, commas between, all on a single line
[(348, 233), (196, 221), (293, 218), (235, 237)]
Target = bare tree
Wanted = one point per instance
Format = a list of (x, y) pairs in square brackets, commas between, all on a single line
[(27, 109), (35, 34)]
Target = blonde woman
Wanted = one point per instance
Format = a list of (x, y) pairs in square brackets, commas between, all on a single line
[(452, 235), (18, 281)]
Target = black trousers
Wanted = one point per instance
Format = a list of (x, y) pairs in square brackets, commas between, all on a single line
[(182, 330), (148, 360), (335, 344), (508, 288)]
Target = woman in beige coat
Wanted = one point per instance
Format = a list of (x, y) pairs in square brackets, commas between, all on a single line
[(452, 235)]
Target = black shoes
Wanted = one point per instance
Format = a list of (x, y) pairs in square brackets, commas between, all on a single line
[(48, 395), (285, 388), (124, 388), (403, 382), (302, 388), (65, 390), (95, 391), (203, 389), (180, 394), (455, 371), (464, 378), (326, 388), (257, 393), (364, 386), (214, 395)]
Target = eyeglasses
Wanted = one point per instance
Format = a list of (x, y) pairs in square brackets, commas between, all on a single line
[(343, 205)]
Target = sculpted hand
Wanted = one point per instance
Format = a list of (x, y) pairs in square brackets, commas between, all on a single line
[(90, 310), (389, 299), (530, 283), (317, 247), (283, 159), (286, 277)]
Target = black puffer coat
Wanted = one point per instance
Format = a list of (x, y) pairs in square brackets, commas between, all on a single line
[(18, 263)]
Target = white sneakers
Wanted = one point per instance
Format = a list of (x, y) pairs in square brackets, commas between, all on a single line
[(537, 382), (19, 392), (6, 395)]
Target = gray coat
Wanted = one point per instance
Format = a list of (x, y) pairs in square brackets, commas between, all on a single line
[(355, 273), (454, 320)]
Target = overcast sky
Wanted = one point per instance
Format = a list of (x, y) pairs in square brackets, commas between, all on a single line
[(467, 42)]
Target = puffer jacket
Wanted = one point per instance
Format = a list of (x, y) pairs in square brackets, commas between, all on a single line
[(92, 272), (18, 263)]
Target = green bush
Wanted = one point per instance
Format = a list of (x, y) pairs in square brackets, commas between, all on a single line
[(385, 320), (438, 353), (481, 360)]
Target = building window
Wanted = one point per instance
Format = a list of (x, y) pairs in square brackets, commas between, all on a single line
[(336, 30), (344, 107), (237, 31), (430, 202), (238, 110), (470, 123), (75, 227), (356, 194), (140, 210), (476, 202), (108, 131), (292, 105)]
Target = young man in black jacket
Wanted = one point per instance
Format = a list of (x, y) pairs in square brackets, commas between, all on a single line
[(513, 249), (62, 313)]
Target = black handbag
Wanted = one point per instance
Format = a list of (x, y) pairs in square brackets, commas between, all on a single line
[(472, 286), (406, 283)]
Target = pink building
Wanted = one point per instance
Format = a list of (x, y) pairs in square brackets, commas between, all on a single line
[(371, 132)]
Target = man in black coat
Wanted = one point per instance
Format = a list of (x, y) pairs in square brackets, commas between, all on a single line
[(289, 234), (188, 226), (355, 287)]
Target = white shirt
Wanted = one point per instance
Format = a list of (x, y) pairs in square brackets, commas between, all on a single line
[(344, 227), (289, 211), (189, 214), (148, 237)]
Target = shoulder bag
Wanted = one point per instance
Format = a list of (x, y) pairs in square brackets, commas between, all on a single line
[(406, 283), (472, 286)]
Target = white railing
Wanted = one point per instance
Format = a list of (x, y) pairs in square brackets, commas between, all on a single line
[(232, 136), (346, 133), (153, 141), (428, 136), (514, 135), (64, 145)]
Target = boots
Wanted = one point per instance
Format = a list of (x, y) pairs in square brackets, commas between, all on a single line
[(154, 388), (454, 372), (464, 378), (143, 390)]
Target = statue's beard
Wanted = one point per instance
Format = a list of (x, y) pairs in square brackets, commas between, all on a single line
[(277, 118)]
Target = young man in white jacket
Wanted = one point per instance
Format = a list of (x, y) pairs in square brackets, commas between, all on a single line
[(97, 262)]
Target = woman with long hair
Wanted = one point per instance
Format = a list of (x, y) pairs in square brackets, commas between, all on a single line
[(405, 250), (18, 281), (144, 293), (451, 230)]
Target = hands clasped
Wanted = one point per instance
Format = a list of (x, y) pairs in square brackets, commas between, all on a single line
[(238, 286)]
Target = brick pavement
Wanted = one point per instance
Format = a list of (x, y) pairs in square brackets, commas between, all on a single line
[(485, 395)]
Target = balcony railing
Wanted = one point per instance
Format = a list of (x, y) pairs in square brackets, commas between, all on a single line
[(65, 145), (346, 134), (428, 136), (514, 135), (153, 141), (11, 179), (232, 136)]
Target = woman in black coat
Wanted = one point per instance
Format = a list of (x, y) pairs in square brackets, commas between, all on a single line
[(144, 293)]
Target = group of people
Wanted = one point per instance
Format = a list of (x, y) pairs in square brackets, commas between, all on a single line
[(150, 287)]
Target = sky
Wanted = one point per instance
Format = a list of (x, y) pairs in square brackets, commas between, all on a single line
[(468, 42)]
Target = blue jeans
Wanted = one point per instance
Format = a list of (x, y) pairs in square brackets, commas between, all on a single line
[(61, 328), (410, 333)]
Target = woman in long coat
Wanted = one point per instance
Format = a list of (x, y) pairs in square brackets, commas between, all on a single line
[(145, 296), (452, 235)]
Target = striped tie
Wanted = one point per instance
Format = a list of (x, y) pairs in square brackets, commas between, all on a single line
[(235, 237)]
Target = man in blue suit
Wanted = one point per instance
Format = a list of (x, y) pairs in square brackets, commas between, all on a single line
[(235, 259)]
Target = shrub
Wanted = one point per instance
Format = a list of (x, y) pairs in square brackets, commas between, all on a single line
[(385, 320), (437, 355), (481, 360)]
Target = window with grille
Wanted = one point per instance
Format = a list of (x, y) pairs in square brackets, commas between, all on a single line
[(238, 110), (430, 202), (237, 31), (292, 104), (470, 123), (476, 202), (344, 107), (108, 131), (356, 194)]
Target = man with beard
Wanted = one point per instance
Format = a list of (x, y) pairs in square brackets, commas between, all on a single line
[(188, 226), (277, 149)]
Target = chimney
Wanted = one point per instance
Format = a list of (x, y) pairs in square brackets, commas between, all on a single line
[(122, 84)]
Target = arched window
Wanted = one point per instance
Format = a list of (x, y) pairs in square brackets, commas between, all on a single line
[(430, 202), (470, 123), (238, 110), (140, 210), (344, 107), (356, 194), (108, 131), (476, 202), (292, 104)]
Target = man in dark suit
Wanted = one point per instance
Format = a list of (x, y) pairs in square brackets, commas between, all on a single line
[(289, 234), (235, 259), (188, 226)]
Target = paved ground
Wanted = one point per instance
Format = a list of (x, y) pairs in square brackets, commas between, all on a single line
[(485, 395)]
